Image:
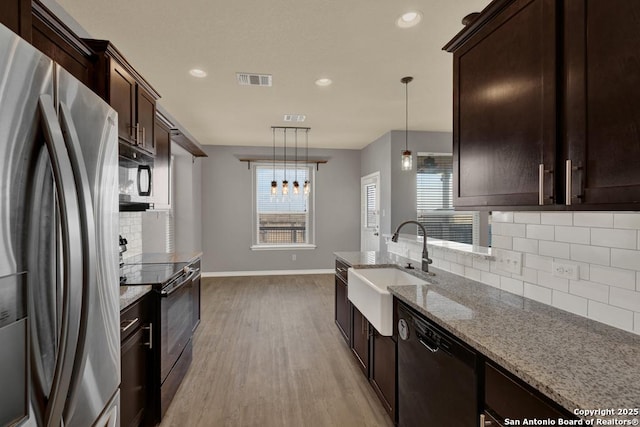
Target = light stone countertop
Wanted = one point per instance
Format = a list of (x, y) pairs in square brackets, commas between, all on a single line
[(131, 294), (577, 362)]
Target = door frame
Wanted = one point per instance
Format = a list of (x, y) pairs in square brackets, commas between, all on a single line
[(367, 179)]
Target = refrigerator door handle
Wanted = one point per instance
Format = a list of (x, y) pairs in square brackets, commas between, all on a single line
[(73, 261), (88, 230)]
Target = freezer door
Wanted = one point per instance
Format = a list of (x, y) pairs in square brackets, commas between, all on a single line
[(25, 74), (90, 129)]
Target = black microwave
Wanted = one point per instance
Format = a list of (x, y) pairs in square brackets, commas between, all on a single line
[(135, 178)]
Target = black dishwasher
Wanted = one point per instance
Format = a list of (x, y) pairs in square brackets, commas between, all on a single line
[(437, 384)]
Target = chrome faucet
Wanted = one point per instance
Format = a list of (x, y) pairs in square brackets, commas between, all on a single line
[(425, 254)]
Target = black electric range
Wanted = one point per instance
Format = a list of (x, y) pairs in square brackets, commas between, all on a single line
[(150, 274)]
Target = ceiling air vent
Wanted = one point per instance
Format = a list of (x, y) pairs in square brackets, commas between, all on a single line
[(294, 118), (248, 79)]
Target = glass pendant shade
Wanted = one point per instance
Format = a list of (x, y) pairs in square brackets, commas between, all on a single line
[(296, 187), (307, 187), (407, 160), (285, 187), (274, 188)]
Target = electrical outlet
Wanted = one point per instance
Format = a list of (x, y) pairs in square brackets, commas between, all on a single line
[(565, 270), (508, 261), (293, 257)]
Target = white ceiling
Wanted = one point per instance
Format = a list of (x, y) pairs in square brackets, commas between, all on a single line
[(354, 42)]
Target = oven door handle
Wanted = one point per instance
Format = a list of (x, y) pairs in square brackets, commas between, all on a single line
[(189, 278)]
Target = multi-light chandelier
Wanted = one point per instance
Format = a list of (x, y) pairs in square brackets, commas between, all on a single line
[(285, 183)]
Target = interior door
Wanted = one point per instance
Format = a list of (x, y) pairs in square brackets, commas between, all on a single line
[(370, 212)]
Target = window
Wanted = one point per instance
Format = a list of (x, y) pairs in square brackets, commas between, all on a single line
[(282, 222), (435, 201), (371, 215)]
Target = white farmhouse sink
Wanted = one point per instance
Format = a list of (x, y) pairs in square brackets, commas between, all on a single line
[(367, 290)]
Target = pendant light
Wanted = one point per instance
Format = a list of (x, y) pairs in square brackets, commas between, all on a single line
[(274, 183), (407, 158), (296, 185), (285, 183), (307, 184)]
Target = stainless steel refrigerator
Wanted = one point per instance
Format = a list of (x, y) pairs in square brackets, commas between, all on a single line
[(59, 309)]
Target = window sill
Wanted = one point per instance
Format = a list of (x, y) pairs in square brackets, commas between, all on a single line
[(303, 246)]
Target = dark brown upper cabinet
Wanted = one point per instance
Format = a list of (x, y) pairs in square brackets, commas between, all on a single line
[(58, 42), (162, 163), (546, 106), (16, 15), (118, 83)]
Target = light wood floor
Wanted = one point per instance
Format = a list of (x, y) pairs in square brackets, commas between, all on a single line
[(268, 353)]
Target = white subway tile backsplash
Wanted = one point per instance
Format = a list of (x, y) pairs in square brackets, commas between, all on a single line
[(457, 269), (580, 235), (481, 264), (541, 232), (528, 275), (624, 258), (490, 279), (625, 239), (614, 277), (502, 242), (627, 220), (526, 217), (604, 245), (556, 218), (589, 290), (591, 254), (550, 281), (593, 219), (538, 262), (525, 245), (538, 293), (625, 298), (554, 249), (570, 303), (472, 273), (502, 217), (514, 230), (512, 285), (613, 316)]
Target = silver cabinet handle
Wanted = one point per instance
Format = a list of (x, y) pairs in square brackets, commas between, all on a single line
[(129, 324), (136, 139), (144, 138), (567, 183), (73, 260), (150, 329), (541, 184)]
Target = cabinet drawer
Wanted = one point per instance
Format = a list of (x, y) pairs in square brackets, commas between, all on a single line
[(508, 397), (132, 318), (341, 270)]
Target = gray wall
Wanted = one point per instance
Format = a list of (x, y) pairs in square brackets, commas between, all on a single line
[(187, 200), (227, 212), (397, 187)]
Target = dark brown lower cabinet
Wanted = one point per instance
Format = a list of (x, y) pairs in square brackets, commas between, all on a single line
[(360, 339), (342, 307), (136, 361), (382, 373), (508, 397)]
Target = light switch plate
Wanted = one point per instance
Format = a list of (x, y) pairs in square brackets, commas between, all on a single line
[(565, 270), (508, 261)]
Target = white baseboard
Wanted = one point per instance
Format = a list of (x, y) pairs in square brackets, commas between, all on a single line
[(265, 273)]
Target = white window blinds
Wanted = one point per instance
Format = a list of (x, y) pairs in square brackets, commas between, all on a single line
[(281, 220), (435, 201)]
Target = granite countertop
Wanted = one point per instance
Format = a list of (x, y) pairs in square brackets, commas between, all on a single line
[(131, 294), (577, 362)]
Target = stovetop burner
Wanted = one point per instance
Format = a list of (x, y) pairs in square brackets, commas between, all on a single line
[(149, 274)]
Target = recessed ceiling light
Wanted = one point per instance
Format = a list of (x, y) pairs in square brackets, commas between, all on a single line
[(196, 72), (323, 82), (409, 19)]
